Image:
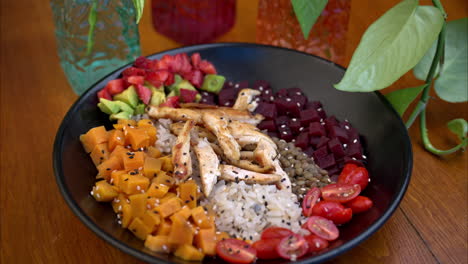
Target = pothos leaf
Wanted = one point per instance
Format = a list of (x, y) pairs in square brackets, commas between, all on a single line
[(139, 6), (401, 99), (307, 12), (459, 127), (391, 46), (92, 16)]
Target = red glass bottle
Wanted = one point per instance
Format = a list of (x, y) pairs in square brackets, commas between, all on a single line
[(193, 21)]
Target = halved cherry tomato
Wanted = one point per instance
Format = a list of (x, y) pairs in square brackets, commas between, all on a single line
[(266, 249), (340, 192), (360, 204), (354, 175), (310, 199), (316, 243), (276, 232), (323, 228), (236, 251), (333, 211), (292, 247)]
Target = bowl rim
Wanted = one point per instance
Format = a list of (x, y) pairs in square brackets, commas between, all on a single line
[(332, 253)]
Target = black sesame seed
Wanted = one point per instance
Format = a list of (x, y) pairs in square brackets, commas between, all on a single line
[(168, 181), (103, 151), (131, 157), (185, 163), (191, 197), (126, 179), (134, 229), (266, 203), (246, 176), (187, 201), (235, 172), (185, 153), (108, 169)]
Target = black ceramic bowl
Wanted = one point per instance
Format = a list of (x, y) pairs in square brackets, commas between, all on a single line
[(385, 138)]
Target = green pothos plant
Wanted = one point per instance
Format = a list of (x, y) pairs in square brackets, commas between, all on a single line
[(408, 36)]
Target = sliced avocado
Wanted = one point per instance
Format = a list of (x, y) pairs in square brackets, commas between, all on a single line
[(125, 107), (177, 79), (197, 98), (140, 109), (157, 98), (213, 83), (128, 96), (108, 107), (172, 93), (184, 85), (121, 115)]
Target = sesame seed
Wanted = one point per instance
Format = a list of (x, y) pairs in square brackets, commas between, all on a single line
[(260, 88), (288, 99), (272, 98), (298, 104), (138, 187), (98, 195), (346, 127), (283, 126), (355, 141), (301, 128), (284, 132)]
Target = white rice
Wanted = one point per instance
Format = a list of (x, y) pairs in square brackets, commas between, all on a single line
[(244, 211), (165, 139)]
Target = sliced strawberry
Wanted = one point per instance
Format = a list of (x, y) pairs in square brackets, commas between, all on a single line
[(157, 78), (142, 62), (186, 66), (207, 67), (169, 80), (104, 94), (195, 78), (131, 71), (171, 101), (144, 93), (187, 96), (134, 80), (164, 62), (115, 86), (196, 60)]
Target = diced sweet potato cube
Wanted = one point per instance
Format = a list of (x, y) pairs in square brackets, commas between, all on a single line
[(134, 184), (206, 240), (115, 177), (188, 193), (200, 217), (153, 152), (163, 178), (128, 122), (99, 154), (137, 138), (185, 212), (151, 167), (158, 243), (189, 253), (138, 204), (222, 235), (116, 138), (126, 214), (164, 228), (167, 163), (145, 123), (151, 219), (133, 160), (167, 197), (152, 203), (168, 208), (157, 190), (139, 229), (118, 201), (105, 169), (94, 136), (152, 134), (103, 192), (119, 152), (181, 231)]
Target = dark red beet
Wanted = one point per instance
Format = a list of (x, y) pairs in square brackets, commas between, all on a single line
[(316, 129), (335, 170), (295, 125), (285, 133), (320, 152), (302, 141), (268, 125), (267, 110), (355, 161), (260, 85), (294, 91), (291, 107), (323, 141), (326, 161), (308, 116), (314, 141), (282, 93), (208, 98), (336, 148), (227, 96), (309, 151), (354, 150), (267, 95), (331, 121), (322, 113), (338, 132), (228, 85), (313, 105), (352, 134), (281, 105), (281, 120), (241, 85), (300, 100)]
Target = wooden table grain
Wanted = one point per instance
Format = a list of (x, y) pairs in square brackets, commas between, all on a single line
[(36, 226)]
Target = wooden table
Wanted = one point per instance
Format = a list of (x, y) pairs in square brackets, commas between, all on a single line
[(430, 226)]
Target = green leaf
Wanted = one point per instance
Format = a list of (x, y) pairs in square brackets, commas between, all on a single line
[(401, 99), (459, 127), (307, 12), (92, 16), (391, 46), (139, 5)]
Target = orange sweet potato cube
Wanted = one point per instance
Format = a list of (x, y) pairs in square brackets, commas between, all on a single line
[(133, 160), (94, 136)]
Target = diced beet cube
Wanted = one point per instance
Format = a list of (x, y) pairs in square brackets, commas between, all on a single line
[(273, 134), (334, 178), (338, 132), (281, 105), (227, 96), (335, 170), (336, 148), (267, 94), (308, 116), (354, 150), (314, 141), (261, 85), (352, 134), (228, 85), (281, 120), (294, 91), (282, 93), (241, 85), (322, 113), (351, 160), (331, 120), (322, 142), (320, 152), (295, 125), (309, 151), (268, 125), (267, 110), (302, 141), (285, 133), (292, 108), (326, 161), (314, 105), (300, 100), (316, 129), (208, 98)]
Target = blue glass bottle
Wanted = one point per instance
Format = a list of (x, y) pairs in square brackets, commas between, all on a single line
[(87, 56)]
